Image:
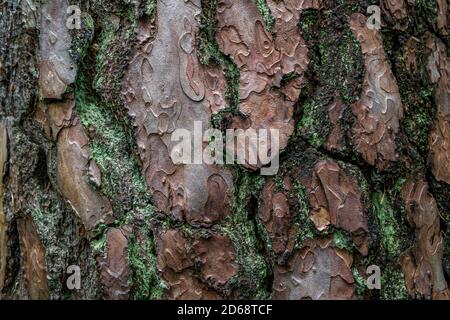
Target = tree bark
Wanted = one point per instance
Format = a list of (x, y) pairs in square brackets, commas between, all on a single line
[(88, 118)]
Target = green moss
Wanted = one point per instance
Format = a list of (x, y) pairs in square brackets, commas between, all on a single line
[(306, 229), (116, 27), (99, 245), (88, 22), (132, 20), (336, 64), (426, 15), (123, 184), (309, 23), (142, 261), (387, 223), (313, 123), (243, 233), (419, 118), (82, 38), (340, 63), (360, 283), (111, 149), (398, 185), (356, 173), (150, 7), (39, 217), (334, 52), (343, 240), (269, 20), (210, 53), (393, 284), (416, 93), (106, 39)]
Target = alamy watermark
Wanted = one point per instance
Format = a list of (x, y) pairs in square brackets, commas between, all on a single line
[(74, 19), (73, 281), (374, 279), (254, 148), (374, 20)]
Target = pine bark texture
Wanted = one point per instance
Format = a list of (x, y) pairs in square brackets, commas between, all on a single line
[(86, 178)]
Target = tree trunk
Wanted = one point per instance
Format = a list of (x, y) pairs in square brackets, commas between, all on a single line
[(92, 108)]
